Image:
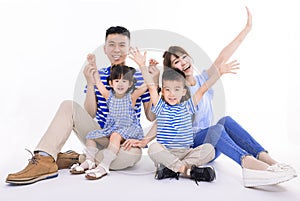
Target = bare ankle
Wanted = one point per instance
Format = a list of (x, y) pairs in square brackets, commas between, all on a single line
[(265, 157), (250, 162)]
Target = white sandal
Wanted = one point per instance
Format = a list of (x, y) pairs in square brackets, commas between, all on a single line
[(77, 169), (95, 174)]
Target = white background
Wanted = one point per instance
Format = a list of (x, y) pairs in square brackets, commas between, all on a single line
[(43, 45)]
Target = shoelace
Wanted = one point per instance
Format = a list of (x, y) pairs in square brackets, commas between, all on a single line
[(33, 159)]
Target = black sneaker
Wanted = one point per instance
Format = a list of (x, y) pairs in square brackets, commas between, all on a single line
[(206, 173), (163, 172)]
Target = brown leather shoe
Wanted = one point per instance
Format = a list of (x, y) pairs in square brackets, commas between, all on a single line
[(38, 168), (67, 159)]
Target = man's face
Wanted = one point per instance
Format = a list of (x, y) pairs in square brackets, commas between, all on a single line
[(116, 48)]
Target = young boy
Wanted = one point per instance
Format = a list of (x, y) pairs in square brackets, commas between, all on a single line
[(174, 126)]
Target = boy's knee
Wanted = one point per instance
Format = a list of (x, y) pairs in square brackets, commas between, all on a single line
[(154, 148), (209, 150)]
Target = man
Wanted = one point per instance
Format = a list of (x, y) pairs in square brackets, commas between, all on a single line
[(71, 116)]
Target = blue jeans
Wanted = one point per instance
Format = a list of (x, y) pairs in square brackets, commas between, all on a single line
[(229, 138)]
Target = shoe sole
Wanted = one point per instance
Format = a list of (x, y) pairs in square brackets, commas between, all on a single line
[(94, 178), (248, 183), (211, 174), (30, 181)]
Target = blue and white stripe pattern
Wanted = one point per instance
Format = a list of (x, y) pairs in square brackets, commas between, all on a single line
[(174, 124), (102, 109)]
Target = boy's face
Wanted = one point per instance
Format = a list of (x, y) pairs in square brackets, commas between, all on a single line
[(116, 48), (173, 91)]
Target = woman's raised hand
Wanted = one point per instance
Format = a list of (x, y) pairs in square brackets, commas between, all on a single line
[(229, 67)]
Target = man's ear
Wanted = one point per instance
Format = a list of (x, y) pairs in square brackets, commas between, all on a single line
[(104, 48)]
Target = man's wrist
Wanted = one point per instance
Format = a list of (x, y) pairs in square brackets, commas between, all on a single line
[(90, 85)]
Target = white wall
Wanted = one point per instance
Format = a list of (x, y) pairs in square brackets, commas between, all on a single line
[(43, 45)]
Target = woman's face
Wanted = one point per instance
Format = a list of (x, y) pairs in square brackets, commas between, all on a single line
[(182, 63)]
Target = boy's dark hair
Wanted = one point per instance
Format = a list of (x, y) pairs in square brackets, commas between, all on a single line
[(174, 74), (124, 72), (117, 30)]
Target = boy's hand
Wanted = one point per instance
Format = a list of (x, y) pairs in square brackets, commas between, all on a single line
[(154, 71)]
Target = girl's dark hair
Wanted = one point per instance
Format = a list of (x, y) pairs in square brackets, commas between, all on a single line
[(124, 72), (176, 51), (174, 74)]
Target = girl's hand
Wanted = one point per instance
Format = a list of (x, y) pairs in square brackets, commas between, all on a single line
[(228, 67), (137, 56)]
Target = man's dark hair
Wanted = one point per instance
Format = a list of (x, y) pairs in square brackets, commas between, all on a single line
[(117, 30)]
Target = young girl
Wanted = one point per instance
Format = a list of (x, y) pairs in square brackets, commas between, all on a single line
[(121, 124)]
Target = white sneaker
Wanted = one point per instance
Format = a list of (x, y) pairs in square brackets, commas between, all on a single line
[(273, 175), (286, 167)]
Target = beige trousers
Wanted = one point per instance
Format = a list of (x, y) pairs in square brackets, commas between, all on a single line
[(174, 159), (72, 117)]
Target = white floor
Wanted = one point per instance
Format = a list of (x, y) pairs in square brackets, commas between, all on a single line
[(137, 183)]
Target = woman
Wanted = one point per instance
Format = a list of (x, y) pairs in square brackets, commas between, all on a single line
[(227, 136)]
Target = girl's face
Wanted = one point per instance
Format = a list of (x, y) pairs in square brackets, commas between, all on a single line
[(183, 63), (120, 86), (173, 91)]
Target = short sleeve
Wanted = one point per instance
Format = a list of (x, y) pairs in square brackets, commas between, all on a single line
[(156, 109), (190, 106)]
